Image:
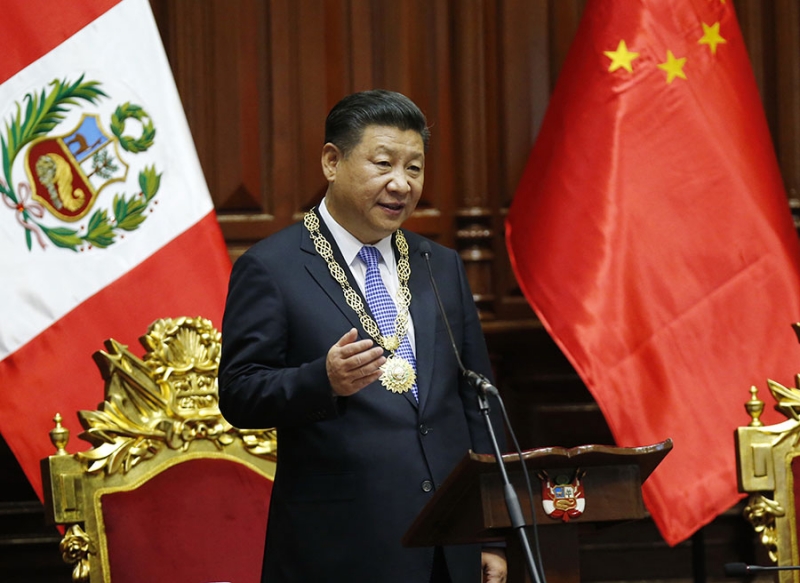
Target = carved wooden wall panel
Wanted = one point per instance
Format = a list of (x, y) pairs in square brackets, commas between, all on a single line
[(786, 85), (257, 78)]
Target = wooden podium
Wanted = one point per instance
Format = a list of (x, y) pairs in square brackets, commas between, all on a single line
[(470, 507)]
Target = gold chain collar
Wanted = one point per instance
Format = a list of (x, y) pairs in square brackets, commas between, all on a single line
[(390, 343)]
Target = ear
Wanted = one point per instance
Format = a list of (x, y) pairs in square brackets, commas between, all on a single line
[(331, 157)]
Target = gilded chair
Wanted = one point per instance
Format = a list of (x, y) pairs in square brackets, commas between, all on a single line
[(169, 491), (768, 463)]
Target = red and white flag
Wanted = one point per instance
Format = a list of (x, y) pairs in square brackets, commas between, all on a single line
[(652, 235), (106, 223)]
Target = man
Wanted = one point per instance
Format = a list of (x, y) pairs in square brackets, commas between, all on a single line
[(371, 410)]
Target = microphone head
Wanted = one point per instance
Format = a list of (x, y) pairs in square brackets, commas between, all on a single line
[(736, 569), (425, 249)]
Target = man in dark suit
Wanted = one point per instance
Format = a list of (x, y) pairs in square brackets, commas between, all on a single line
[(343, 351)]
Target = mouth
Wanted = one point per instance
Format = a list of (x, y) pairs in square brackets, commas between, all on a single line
[(394, 207)]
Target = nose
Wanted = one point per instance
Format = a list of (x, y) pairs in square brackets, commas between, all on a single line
[(399, 183)]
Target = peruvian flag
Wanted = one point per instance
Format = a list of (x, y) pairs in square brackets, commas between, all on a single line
[(652, 235), (106, 223)]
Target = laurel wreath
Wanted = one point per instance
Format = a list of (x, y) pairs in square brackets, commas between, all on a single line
[(135, 145), (43, 112), (103, 229)]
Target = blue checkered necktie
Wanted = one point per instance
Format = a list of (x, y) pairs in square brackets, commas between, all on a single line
[(383, 307)]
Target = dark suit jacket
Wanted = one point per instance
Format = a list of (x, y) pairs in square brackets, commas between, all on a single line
[(353, 472)]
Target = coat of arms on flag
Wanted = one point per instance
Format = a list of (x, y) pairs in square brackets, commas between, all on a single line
[(66, 170)]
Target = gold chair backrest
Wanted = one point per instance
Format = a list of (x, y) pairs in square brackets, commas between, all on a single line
[(158, 411), (768, 465)]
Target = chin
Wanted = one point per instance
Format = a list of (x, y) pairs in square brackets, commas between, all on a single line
[(385, 228)]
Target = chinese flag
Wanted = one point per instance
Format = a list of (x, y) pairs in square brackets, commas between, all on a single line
[(652, 236), (106, 223)]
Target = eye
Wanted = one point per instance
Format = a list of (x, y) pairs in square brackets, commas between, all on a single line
[(383, 164), (415, 169)]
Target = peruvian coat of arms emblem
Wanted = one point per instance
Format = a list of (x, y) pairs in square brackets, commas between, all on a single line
[(67, 171), (563, 497)]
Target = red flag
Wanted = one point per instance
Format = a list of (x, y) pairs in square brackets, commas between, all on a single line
[(106, 223), (651, 234)]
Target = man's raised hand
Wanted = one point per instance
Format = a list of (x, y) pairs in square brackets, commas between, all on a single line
[(353, 364)]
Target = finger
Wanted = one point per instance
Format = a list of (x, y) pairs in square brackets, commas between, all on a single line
[(348, 337), (357, 348), (368, 379), (362, 359), (357, 369), (350, 382), (348, 344)]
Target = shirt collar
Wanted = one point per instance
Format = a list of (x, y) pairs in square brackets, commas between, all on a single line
[(350, 246)]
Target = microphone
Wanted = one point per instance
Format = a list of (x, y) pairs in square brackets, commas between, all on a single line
[(477, 380), (741, 569)]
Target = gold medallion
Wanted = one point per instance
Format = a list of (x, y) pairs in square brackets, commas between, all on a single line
[(398, 374)]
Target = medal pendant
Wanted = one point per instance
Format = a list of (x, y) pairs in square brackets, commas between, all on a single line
[(398, 375)]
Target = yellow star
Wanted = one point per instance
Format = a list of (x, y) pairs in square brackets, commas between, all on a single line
[(673, 67), (711, 37), (621, 58)]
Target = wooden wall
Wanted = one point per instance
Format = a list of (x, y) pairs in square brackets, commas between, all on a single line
[(257, 78)]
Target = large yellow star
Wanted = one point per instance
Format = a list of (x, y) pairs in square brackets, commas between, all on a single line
[(673, 67), (622, 57), (711, 37)]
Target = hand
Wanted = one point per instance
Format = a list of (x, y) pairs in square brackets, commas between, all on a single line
[(493, 565), (352, 365)]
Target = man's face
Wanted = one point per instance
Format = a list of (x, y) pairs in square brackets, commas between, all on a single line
[(377, 186)]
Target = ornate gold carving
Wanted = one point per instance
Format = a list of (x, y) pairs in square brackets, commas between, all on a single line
[(755, 407), (788, 399), (75, 547), (59, 435), (167, 399), (765, 458), (163, 406), (761, 512)]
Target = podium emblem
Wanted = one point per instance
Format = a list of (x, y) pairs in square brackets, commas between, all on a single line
[(563, 496)]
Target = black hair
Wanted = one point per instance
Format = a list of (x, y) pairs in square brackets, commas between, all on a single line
[(348, 118)]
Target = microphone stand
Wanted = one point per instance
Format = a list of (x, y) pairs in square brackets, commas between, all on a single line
[(481, 385)]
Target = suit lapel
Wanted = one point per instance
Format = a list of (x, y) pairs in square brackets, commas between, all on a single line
[(423, 312), (318, 269)]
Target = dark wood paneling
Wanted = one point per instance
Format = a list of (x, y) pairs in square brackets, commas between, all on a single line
[(258, 77), (787, 90), (28, 545)]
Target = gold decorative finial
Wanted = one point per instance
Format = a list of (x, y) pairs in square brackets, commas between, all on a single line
[(755, 407), (59, 435)]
